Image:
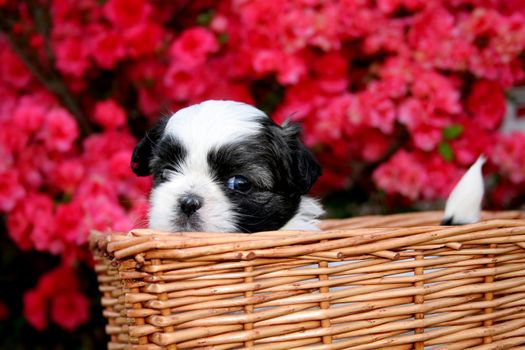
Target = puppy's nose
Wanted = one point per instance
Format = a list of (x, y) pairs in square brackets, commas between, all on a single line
[(190, 204)]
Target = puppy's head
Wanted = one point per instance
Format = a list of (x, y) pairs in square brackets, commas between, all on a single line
[(224, 166)]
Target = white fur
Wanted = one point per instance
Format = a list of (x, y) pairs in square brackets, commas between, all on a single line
[(464, 203), (307, 217), (215, 213)]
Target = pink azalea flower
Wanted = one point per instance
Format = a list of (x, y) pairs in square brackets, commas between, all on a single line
[(126, 13), (486, 103), (11, 190), (71, 56), (12, 70), (402, 174), (60, 130), (70, 310), (30, 219), (68, 174), (107, 48), (508, 154), (109, 114), (35, 309), (69, 224), (193, 46), (143, 39)]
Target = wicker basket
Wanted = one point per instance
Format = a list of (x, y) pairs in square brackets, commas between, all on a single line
[(377, 282)]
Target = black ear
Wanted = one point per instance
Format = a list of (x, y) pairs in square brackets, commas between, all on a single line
[(144, 150), (304, 167)]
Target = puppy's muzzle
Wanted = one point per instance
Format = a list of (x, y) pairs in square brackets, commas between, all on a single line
[(190, 203)]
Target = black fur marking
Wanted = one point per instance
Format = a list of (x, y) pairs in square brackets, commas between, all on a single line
[(280, 169), (143, 152), (167, 155), (448, 221)]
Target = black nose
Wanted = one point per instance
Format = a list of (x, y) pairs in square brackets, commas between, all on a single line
[(190, 204)]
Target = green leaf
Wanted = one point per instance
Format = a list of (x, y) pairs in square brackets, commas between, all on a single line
[(452, 132), (205, 17), (223, 38), (445, 151)]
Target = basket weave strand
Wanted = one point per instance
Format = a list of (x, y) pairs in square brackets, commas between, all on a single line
[(376, 282)]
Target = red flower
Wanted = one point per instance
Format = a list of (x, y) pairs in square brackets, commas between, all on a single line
[(11, 190), (402, 174), (69, 223), (61, 130), (68, 174), (71, 56), (109, 114), (12, 70), (70, 310), (486, 103), (508, 154), (126, 13), (107, 49), (35, 309), (193, 46), (56, 293), (143, 39), (30, 215), (29, 115)]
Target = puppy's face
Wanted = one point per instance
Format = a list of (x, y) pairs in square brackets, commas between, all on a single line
[(224, 166)]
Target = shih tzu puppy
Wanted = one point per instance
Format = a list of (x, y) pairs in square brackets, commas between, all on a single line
[(224, 166)]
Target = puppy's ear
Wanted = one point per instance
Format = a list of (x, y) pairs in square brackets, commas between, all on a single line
[(144, 150), (304, 167)]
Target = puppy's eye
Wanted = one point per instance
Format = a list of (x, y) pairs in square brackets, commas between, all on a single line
[(238, 183)]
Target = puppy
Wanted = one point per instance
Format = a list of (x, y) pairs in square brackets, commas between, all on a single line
[(224, 166)]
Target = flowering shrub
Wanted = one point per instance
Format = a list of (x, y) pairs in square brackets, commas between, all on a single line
[(396, 98)]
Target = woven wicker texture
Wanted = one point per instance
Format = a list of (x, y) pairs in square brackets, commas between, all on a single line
[(376, 282)]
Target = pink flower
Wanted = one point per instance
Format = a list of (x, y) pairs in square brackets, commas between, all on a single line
[(61, 279), (28, 217), (61, 130), (109, 114), (402, 174), (29, 116), (193, 46), (68, 174), (473, 141), (11, 190), (486, 103), (70, 310), (107, 48), (442, 176), (426, 137), (265, 61), (143, 39), (290, 69), (107, 142), (184, 85), (12, 138), (370, 144), (71, 56), (126, 13), (56, 293), (69, 223), (12, 70), (35, 309), (119, 164), (508, 154), (223, 90)]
